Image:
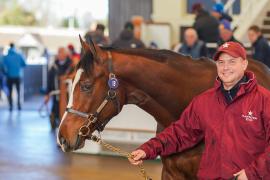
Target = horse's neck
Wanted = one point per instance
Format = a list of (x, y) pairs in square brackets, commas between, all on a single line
[(150, 105), (166, 89), (170, 88), (154, 86)]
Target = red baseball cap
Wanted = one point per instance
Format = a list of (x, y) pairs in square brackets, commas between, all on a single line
[(232, 48)]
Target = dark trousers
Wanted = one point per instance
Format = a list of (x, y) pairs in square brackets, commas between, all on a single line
[(10, 83), (54, 116), (55, 107)]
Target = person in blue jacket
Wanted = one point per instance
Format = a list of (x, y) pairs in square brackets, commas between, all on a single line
[(13, 64), (1, 71)]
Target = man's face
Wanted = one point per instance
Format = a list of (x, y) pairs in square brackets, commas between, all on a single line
[(230, 69), (253, 36), (225, 34), (62, 54), (190, 37)]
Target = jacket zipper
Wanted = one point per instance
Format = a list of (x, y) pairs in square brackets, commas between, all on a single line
[(230, 96)]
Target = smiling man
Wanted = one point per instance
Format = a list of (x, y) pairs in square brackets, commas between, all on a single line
[(233, 118)]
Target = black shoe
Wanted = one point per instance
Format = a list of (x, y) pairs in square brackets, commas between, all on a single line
[(19, 108), (10, 109)]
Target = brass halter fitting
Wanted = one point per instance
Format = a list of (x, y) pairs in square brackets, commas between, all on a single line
[(112, 75), (85, 129), (92, 119), (111, 94)]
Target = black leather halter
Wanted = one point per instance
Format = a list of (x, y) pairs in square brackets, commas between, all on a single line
[(92, 118)]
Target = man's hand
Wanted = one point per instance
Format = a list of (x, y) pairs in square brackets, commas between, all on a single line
[(46, 99), (241, 175), (138, 155)]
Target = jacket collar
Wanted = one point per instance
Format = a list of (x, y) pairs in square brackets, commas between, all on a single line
[(258, 40), (244, 87)]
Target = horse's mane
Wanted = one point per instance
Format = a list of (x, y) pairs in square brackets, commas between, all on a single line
[(171, 58), (86, 62), (157, 55), (163, 56)]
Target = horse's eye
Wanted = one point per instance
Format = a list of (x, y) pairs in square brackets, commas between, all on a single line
[(86, 87)]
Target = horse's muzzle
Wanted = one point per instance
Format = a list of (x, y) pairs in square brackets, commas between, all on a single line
[(65, 146)]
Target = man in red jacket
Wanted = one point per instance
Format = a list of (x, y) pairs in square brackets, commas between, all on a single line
[(235, 124)]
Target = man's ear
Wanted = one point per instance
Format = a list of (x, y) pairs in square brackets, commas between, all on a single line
[(245, 64)]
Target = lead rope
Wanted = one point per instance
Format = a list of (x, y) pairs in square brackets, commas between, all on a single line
[(120, 152)]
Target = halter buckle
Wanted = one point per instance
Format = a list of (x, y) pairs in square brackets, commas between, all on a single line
[(91, 119), (111, 94), (112, 75), (84, 131)]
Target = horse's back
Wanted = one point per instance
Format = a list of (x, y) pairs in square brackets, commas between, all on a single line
[(261, 72)]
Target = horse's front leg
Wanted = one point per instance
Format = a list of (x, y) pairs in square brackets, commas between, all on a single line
[(182, 166)]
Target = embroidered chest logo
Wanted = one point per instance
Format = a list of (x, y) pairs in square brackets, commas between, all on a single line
[(249, 116), (225, 45)]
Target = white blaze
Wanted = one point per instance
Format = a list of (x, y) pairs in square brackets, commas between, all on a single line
[(70, 101), (76, 80)]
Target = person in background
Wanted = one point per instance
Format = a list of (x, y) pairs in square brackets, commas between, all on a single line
[(13, 65), (98, 36), (192, 45), (218, 12), (60, 67), (73, 55), (205, 24), (260, 46), (153, 45), (226, 33), (127, 39)]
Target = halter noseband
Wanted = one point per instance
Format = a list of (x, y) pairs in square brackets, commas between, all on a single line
[(92, 119)]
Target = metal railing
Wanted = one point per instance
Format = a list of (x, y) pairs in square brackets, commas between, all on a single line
[(229, 7), (250, 11)]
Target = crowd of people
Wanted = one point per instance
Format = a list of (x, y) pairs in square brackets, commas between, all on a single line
[(215, 27), (126, 38), (209, 27)]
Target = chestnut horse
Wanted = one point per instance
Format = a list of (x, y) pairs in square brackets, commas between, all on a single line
[(160, 82)]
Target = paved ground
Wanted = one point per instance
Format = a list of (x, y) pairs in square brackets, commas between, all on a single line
[(28, 152)]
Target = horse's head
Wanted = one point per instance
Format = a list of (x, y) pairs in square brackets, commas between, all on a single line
[(95, 98)]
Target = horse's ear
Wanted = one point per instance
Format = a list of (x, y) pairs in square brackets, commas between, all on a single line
[(84, 45), (95, 49)]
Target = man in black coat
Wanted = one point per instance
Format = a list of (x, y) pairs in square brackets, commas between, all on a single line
[(127, 39), (61, 66), (205, 24), (260, 46)]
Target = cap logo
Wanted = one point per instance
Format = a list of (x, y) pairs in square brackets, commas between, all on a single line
[(225, 45)]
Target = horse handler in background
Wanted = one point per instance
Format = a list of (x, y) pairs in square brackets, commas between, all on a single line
[(61, 66), (233, 118)]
